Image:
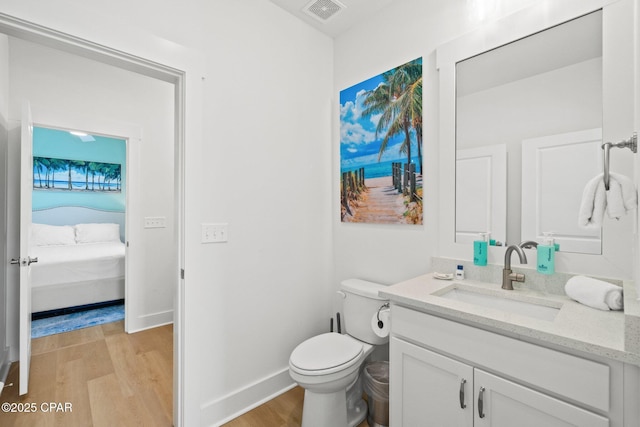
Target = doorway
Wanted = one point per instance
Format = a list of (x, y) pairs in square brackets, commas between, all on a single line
[(122, 63), (78, 232)]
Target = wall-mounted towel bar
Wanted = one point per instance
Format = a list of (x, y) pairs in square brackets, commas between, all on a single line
[(631, 144)]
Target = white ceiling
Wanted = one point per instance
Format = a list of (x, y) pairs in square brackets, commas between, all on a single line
[(354, 11)]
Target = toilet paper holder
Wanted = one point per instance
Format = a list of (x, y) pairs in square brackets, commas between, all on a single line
[(382, 307)]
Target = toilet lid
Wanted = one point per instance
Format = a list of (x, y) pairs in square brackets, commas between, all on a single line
[(325, 351)]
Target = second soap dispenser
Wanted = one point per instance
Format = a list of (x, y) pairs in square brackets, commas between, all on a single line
[(546, 263)]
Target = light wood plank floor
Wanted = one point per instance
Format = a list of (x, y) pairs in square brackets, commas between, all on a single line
[(110, 378), (283, 411)]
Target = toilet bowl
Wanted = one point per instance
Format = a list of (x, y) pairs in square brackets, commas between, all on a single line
[(328, 366)]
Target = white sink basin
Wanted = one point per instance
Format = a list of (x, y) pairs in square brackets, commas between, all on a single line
[(543, 310)]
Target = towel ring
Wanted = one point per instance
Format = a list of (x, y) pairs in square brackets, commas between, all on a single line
[(631, 144)]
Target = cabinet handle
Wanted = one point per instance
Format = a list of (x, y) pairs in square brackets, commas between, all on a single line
[(462, 383), (481, 402)]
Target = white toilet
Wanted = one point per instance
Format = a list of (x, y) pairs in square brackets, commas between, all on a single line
[(328, 366)]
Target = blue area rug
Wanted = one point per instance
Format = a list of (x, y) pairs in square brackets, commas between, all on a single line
[(73, 321)]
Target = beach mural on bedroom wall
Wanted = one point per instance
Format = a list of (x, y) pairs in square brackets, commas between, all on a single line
[(381, 148), (50, 174), (78, 178)]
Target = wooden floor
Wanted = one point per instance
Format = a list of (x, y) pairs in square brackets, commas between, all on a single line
[(107, 378), (283, 411)]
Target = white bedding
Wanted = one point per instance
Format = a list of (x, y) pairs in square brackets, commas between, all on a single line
[(77, 263)]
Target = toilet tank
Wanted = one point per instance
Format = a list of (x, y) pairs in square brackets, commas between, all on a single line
[(361, 303)]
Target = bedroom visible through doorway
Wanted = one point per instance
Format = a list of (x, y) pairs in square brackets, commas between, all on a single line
[(78, 229)]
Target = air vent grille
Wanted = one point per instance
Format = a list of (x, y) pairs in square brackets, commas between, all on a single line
[(323, 9)]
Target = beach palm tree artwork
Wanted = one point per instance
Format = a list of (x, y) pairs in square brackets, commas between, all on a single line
[(381, 162), (76, 175)]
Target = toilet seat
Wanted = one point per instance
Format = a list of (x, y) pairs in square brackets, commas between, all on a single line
[(326, 354)]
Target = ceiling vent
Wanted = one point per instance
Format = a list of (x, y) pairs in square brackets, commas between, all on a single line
[(323, 10)]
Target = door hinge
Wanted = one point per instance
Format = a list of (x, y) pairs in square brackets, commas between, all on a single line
[(182, 273)]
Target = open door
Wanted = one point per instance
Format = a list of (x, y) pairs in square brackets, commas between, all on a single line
[(26, 186)]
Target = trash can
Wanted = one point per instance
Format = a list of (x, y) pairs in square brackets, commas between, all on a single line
[(376, 387)]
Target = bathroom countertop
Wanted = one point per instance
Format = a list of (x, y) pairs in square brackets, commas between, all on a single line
[(611, 334)]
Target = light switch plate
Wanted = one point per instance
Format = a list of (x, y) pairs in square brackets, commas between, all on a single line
[(215, 233), (155, 222)]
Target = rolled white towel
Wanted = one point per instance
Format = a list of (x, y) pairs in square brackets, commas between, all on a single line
[(594, 293)]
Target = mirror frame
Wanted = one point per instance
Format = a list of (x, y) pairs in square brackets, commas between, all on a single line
[(618, 109)]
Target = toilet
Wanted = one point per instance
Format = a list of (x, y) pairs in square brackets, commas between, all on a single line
[(328, 366)]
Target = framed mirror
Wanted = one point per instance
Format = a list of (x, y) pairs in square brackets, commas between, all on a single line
[(543, 135)]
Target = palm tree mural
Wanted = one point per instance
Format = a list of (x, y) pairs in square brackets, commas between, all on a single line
[(398, 101), (77, 172)]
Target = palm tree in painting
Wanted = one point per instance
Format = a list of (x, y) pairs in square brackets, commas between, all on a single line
[(119, 178), (398, 100), (112, 174), (57, 165), (413, 97), (104, 171), (40, 164), (92, 169)]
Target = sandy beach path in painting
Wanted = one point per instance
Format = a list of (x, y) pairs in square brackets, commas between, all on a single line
[(380, 204)]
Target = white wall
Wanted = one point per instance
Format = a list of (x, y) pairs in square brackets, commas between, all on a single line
[(264, 166), (267, 163)]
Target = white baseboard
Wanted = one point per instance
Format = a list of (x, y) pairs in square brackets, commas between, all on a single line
[(223, 410), (149, 321)]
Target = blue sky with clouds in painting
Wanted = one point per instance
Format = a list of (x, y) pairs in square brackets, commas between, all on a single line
[(358, 143)]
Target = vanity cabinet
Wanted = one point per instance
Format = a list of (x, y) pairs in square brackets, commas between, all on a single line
[(439, 391), (445, 373)]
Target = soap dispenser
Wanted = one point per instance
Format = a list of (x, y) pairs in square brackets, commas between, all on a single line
[(480, 248), (546, 255)]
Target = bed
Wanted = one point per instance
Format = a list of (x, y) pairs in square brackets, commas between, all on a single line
[(77, 265)]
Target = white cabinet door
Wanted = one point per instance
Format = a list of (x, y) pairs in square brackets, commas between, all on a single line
[(502, 403), (428, 389)]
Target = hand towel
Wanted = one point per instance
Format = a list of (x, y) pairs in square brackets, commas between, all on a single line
[(594, 293), (615, 202), (621, 197), (593, 204), (629, 194)]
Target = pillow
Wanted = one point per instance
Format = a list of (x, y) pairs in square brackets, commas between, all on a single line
[(97, 233), (52, 235)]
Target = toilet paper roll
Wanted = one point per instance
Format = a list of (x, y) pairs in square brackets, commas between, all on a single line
[(386, 323)]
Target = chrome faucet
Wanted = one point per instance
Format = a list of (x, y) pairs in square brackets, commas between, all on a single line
[(508, 276)]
